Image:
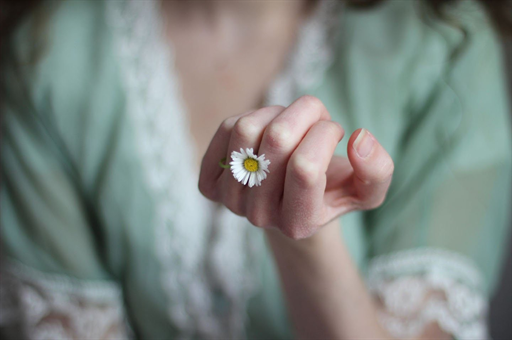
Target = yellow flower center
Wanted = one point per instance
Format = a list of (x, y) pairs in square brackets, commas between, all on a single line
[(251, 165)]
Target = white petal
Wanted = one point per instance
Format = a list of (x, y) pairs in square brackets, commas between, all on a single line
[(240, 173), (263, 163), (251, 179), (237, 165), (246, 177), (263, 175), (239, 177), (258, 178), (250, 153), (236, 155)]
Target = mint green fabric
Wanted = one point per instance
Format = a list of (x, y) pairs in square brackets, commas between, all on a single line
[(444, 119), (73, 202)]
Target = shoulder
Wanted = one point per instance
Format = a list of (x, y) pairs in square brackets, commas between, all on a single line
[(451, 67), (62, 53), (404, 36), (394, 26), (64, 62)]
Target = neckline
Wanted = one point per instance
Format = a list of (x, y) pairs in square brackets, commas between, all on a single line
[(313, 27), (163, 141)]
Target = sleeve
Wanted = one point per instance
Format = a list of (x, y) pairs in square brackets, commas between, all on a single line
[(54, 283), (436, 244)]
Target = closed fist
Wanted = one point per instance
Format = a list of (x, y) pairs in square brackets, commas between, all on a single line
[(307, 185)]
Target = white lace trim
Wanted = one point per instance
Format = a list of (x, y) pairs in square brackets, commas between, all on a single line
[(199, 254), (421, 286), (190, 244), (50, 306)]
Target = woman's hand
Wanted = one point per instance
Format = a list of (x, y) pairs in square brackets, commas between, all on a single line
[(307, 186)]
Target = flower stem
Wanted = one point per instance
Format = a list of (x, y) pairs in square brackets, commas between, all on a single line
[(222, 165)]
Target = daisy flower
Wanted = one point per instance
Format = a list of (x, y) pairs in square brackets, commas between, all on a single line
[(249, 168)]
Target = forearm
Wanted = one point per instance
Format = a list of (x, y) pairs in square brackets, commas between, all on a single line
[(325, 295)]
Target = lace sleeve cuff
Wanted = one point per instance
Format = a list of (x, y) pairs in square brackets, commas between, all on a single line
[(427, 285), (38, 305)]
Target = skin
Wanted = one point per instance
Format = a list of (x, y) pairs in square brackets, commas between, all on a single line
[(222, 56), (308, 187)]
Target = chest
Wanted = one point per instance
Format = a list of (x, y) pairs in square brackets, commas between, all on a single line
[(226, 66)]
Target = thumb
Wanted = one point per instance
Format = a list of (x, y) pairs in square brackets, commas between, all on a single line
[(373, 168)]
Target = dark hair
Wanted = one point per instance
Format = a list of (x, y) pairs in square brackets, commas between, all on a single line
[(499, 11), (12, 12)]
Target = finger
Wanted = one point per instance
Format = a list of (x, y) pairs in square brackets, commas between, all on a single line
[(303, 201), (210, 169), (280, 139), (246, 133), (373, 168)]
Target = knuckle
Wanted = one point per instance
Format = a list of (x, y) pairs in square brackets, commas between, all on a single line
[(234, 207), (304, 172), (390, 169), (330, 127), (385, 172), (245, 126), (257, 218), (371, 202), (311, 103), (278, 136), (379, 201), (380, 174), (204, 189), (207, 189), (276, 109), (233, 203), (375, 203), (228, 124)]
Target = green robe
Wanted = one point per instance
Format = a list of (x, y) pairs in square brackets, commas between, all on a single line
[(99, 202)]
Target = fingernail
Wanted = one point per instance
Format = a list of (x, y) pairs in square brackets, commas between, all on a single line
[(363, 144)]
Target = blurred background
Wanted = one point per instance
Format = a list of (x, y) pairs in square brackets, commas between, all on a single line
[(501, 306)]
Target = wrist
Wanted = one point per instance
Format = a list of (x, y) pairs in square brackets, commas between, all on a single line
[(325, 236)]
